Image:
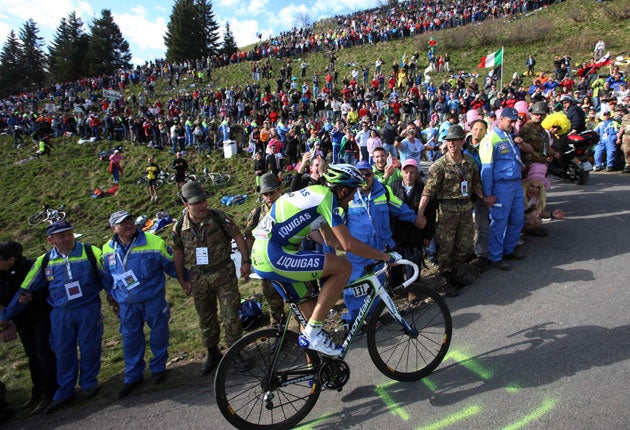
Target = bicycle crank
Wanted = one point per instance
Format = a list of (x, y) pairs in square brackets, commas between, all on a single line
[(333, 374)]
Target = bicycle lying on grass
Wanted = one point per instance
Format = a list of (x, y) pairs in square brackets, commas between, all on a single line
[(274, 384), (216, 179), (47, 215)]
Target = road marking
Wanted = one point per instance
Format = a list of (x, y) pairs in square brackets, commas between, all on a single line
[(547, 405), (469, 363), (452, 419), (391, 404), (311, 424)]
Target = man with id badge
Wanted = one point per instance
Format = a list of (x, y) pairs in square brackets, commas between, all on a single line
[(72, 273), (134, 263), (202, 243), (452, 180)]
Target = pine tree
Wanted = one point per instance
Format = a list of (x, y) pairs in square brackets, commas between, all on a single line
[(229, 44), (209, 28), (32, 60), (107, 50), (10, 73), (192, 31), (66, 56)]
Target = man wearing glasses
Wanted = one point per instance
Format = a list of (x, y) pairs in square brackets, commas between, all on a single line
[(501, 167)]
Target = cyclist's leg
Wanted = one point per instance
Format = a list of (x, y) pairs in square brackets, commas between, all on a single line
[(338, 270)]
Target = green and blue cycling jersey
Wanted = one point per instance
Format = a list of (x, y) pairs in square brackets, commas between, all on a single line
[(276, 253)]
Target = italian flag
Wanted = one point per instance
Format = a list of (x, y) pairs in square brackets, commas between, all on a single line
[(492, 60)]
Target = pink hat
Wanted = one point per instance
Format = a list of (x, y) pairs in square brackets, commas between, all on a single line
[(537, 172), (410, 162)]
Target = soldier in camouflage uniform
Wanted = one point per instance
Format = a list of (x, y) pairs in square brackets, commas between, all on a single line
[(452, 179), (535, 136), (270, 190), (623, 136), (201, 242)]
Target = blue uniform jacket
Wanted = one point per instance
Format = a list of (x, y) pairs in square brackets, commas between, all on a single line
[(58, 277), (148, 257), (498, 160), (369, 221)]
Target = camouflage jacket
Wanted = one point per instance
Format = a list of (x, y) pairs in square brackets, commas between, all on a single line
[(445, 179)]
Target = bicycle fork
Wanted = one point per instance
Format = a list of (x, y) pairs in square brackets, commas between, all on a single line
[(393, 310)]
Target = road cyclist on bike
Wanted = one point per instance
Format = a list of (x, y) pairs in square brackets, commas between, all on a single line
[(276, 253)]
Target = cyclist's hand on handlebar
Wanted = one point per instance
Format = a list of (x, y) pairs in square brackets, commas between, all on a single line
[(394, 257)]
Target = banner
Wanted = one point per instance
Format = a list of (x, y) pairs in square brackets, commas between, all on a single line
[(492, 60), (110, 94)]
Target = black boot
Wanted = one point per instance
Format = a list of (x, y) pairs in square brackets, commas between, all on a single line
[(214, 356)]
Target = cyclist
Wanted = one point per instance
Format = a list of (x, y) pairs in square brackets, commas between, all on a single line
[(276, 253)]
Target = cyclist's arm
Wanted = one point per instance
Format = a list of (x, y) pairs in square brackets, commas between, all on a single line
[(350, 244)]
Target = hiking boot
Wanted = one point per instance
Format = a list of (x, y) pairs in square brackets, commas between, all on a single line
[(55, 405), (214, 356), (127, 389), (42, 405), (501, 265), (610, 169), (91, 392), (626, 169), (483, 263), (514, 256), (320, 342), (158, 377)]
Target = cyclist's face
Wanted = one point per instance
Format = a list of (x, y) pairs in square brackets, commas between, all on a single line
[(64, 241)]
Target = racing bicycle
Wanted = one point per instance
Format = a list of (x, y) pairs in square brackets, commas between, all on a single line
[(216, 179), (47, 215), (266, 381)]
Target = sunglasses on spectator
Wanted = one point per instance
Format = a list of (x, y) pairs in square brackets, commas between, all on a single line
[(367, 173)]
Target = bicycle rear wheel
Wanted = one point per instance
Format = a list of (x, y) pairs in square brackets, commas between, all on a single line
[(399, 354), (37, 218), (261, 397), (57, 216), (140, 181)]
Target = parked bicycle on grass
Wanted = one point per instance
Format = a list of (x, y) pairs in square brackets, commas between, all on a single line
[(48, 215)]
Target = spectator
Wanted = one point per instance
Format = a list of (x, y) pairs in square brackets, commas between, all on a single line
[(115, 165), (71, 274), (368, 220), (500, 176), (608, 129), (33, 325), (535, 188), (180, 165), (316, 167), (410, 147), (623, 137), (270, 191), (134, 266), (201, 240), (452, 180), (386, 169), (152, 171)]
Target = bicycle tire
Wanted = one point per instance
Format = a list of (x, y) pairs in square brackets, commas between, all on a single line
[(240, 395), (190, 178), (158, 183), (220, 179), (171, 178), (140, 181), (37, 218), (56, 217), (203, 180), (398, 355)]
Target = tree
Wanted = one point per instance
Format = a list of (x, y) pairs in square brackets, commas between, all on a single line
[(192, 31), (32, 60), (66, 54), (10, 74), (229, 44), (107, 50)]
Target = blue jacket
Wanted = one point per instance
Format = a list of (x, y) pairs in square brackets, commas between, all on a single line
[(498, 160), (148, 257), (58, 277), (369, 221)]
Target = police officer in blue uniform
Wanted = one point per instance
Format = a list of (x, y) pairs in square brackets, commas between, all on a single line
[(368, 220), (72, 276), (134, 263), (501, 167)]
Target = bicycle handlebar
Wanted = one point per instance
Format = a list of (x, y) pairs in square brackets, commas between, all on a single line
[(403, 262)]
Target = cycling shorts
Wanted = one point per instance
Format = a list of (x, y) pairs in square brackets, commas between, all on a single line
[(275, 263)]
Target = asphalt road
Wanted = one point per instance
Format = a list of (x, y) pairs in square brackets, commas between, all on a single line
[(543, 346)]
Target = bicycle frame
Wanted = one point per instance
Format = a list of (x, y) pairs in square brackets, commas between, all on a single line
[(375, 289)]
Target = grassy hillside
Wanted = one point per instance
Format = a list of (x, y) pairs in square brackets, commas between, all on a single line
[(70, 174)]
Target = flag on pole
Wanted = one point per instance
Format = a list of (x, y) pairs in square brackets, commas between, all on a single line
[(492, 60)]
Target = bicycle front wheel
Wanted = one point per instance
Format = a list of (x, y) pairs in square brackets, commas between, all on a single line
[(37, 218), (255, 396), (403, 355)]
